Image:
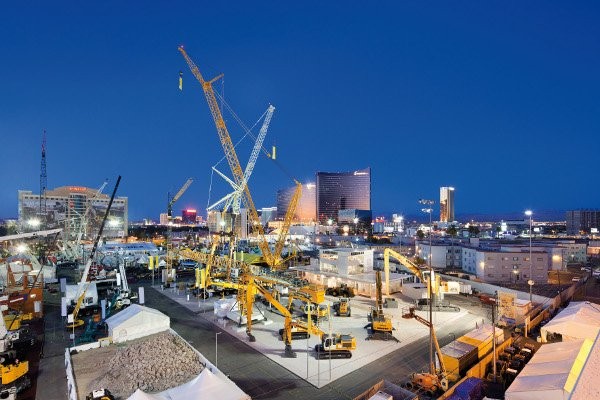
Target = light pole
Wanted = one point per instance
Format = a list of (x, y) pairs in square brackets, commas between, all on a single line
[(217, 349), (529, 213), (429, 210)]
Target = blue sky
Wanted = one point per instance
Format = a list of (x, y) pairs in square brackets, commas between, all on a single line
[(498, 99)]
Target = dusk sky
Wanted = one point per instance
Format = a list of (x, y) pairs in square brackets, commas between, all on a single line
[(499, 99)]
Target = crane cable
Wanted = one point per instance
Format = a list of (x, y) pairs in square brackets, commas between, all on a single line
[(249, 132)]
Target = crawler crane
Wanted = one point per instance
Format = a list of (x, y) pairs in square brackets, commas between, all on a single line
[(272, 257), (436, 379)]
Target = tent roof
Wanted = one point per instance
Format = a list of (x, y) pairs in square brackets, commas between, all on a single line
[(204, 386), (579, 320), (132, 311), (552, 371)]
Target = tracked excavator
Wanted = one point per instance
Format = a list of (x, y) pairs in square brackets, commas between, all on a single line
[(436, 379), (380, 324)]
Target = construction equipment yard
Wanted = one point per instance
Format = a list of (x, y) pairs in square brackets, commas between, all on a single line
[(322, 372)]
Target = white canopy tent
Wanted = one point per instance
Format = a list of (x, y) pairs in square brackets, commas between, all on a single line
[(552, 372), (136, 321), (580, 320), (204, 386)]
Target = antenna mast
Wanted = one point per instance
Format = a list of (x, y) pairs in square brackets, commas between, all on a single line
[(43, 184)]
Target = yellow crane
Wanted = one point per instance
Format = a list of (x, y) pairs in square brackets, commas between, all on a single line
[(272, 258), (436, 379)]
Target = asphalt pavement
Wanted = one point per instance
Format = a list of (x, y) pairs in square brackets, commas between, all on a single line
[(263, 378)]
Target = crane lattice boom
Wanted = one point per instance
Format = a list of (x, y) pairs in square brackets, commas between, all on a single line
[(273, 259)]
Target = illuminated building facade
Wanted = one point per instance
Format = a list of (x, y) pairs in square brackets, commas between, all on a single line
[(306, 208), (66, 208), (583, 221), (337, 191), (447, 204), (188, 216)]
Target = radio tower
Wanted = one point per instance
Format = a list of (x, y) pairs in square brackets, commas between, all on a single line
[(43, 184)]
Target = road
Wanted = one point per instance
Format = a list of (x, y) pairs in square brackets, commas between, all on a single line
[(263, 378)]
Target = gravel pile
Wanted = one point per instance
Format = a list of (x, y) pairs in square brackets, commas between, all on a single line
[(152, 364)]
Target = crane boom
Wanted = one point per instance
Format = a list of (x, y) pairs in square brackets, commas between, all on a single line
[(231, 156), (83, 287), (253, 157), (438, 350), (423, 275), (181, 191)]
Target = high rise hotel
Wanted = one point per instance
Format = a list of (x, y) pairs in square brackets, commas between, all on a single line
[(341, 191), (446, 204)]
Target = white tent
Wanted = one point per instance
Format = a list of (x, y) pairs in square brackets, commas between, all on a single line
[(136, 321), (204, 386), (552, 372), (580, 320)]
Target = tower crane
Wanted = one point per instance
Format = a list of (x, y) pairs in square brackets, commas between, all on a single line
[(273, 258), (172, 201)]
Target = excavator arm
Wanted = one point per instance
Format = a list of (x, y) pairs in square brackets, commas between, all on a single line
[(438, 350)]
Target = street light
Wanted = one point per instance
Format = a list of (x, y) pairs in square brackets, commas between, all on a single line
[(34, 223), (355, 225), (217, 349), (529, 213), (429, 209)]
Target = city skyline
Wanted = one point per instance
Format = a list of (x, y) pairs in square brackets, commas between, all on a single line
[(500, 101)]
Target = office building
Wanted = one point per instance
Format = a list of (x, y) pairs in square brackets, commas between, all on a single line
[(188, 216), (75, 209), (446, 204), (306, 207), (583, 222), (341, 191)]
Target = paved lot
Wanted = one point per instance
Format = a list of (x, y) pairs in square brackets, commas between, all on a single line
[(263, 378), (255, 373)]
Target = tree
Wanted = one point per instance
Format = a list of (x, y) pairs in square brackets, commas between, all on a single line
[(474, 231), (420, 234), (419, 261), (451, 230)]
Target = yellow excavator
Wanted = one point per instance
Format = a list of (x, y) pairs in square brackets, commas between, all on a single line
[(342, 307), (380, 324), (335, 346), (13, 374), (436, 379)]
